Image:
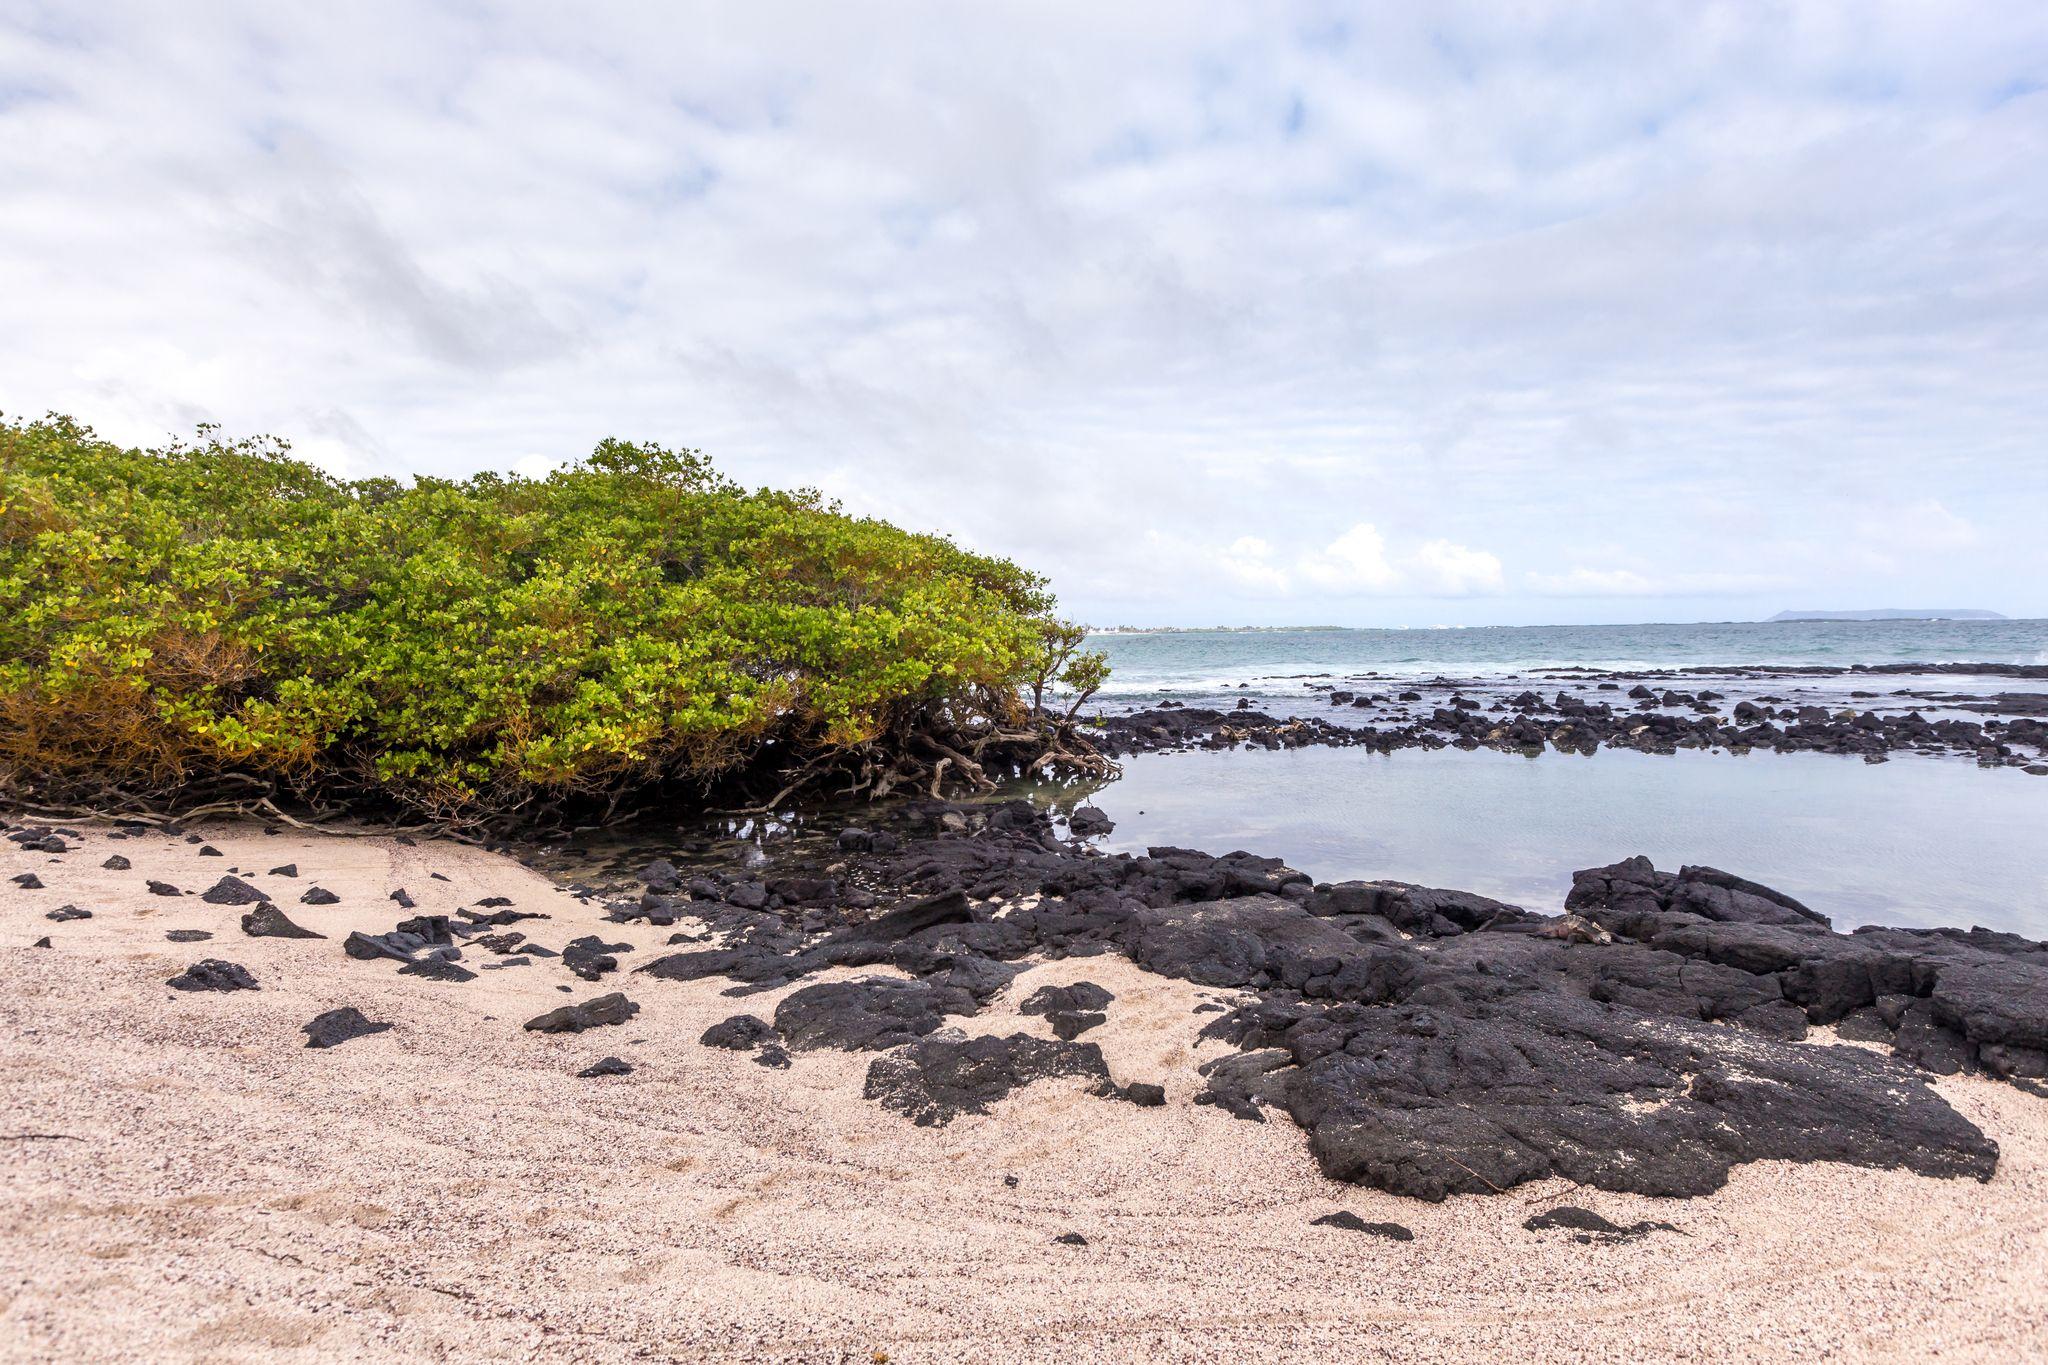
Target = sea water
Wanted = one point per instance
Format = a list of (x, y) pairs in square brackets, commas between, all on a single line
[(1917, 841), (1190, 664)]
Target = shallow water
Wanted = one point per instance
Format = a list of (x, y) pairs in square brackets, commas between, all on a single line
[(1914, 841)]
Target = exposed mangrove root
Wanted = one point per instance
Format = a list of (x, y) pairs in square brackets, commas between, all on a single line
[(959, 749), (130, 806), (933, 754)]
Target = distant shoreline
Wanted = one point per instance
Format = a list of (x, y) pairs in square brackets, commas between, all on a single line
[(1891, 614), (1783, 618)]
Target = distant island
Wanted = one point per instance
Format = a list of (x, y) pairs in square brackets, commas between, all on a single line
[(1892, 614)]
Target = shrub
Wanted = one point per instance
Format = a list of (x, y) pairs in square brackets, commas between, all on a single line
[(176, 620)]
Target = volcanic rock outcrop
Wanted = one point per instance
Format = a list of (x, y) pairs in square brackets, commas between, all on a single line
[(1430, 1042)]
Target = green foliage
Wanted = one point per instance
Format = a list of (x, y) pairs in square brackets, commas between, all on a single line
[(176, 614), (1060, 661)]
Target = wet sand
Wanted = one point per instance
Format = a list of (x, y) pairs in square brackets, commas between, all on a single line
[(183, 1179)]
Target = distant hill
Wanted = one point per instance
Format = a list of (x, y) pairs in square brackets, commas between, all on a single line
[(1892, 614)]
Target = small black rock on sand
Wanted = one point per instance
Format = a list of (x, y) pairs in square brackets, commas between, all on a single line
[(267, 921), (605, 1010), (212, 974), (338, 1026)]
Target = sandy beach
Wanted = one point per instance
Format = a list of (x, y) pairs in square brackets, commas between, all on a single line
[(185, 1179), (1023, 684)]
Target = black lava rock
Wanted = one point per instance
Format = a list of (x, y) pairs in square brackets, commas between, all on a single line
[(267, 921), (935, 1080), (741, 1033), (187, 935), (604, 1010), (1071, 1010), (1069, 1025), (319, 895), (869, 1014), (406, 941), (1088, 821), (497, 918), (1082, 995), (338, 1026), (661, 875), (231, 891), (590, 957), (1428, 1041), (212, 974), (607, 1066), (117, 863), (439, 965), (68, 912)]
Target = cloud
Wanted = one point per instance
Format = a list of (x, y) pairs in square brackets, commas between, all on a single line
[(1584, 582), (1922, 525), (1247, 563), (1581, 582), (1354, 562), (1648, 302), (1453, 571), (1357, 563)]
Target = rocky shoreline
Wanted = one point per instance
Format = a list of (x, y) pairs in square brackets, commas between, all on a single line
[(1580, 711), (1431, 1042)]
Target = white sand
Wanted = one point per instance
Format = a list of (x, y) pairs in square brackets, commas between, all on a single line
[(450, 1189)]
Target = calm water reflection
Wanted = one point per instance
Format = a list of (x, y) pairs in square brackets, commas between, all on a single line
[(1913, 841)]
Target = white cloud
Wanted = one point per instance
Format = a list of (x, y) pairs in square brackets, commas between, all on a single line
[(1680, 298), (1247, 563), (1454, 571), (1922, 525), (336, 457), (1355, 562), (1584, 582)]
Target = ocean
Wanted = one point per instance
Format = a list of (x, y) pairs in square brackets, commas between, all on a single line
[(1192, 663), (1931, 841)]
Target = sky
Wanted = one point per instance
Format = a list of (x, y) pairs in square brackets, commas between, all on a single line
[(1239, 314)]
